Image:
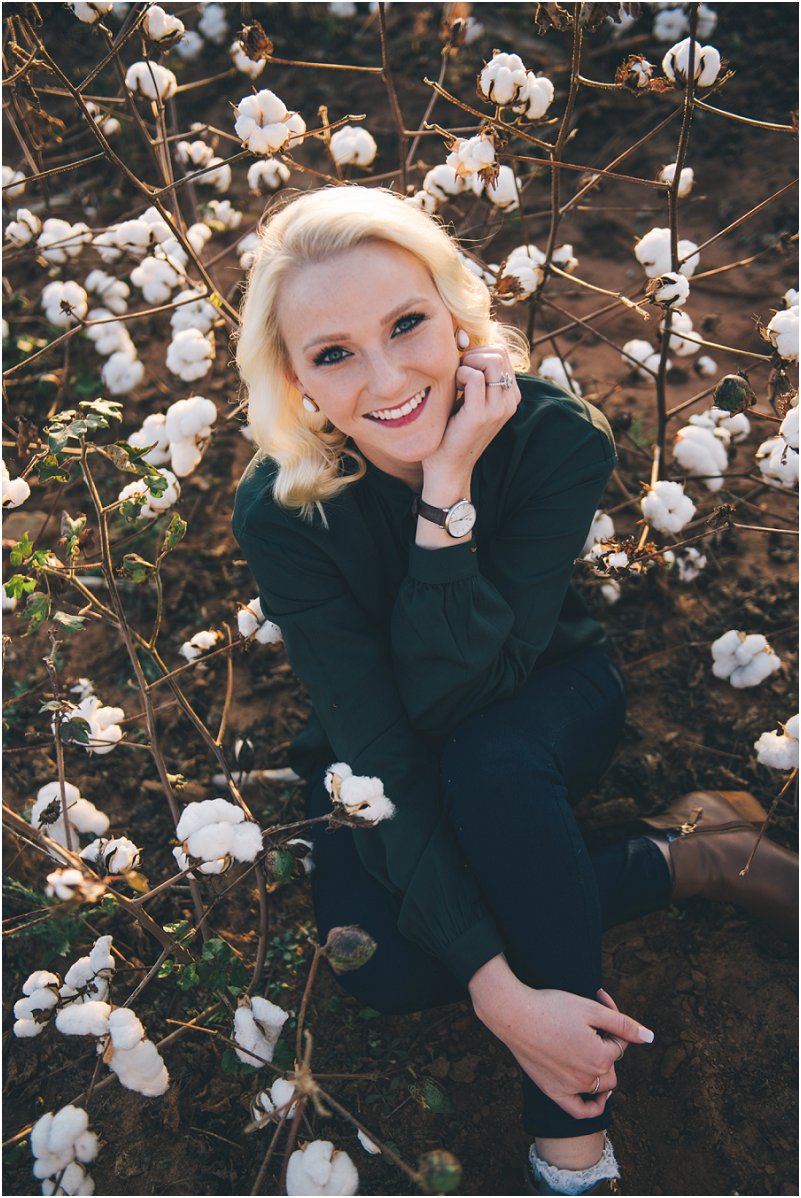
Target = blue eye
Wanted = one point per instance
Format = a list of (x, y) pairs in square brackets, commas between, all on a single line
[(326, 356), (406, 323)]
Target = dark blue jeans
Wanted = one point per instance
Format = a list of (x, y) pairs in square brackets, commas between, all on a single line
[(510, 775)]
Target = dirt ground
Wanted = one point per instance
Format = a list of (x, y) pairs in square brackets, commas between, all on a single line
[(711, 1106)]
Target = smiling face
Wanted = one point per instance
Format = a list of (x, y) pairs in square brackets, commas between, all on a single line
[(370, 340)]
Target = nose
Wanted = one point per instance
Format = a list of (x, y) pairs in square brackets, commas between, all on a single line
[(385, 376)]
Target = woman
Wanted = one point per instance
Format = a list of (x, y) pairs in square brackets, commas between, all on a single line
[(412, 523)]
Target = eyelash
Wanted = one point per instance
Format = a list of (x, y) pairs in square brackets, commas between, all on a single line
[(417, 319)]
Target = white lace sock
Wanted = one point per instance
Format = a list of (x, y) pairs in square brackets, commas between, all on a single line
[(573, 1181)]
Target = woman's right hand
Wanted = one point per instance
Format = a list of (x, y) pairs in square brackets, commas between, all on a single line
[(554, 1036)]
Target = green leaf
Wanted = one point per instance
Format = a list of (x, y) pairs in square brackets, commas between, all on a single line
[(166, 969), (130, 509), (123, 456), (432, 1096), (18, 585), (174, 534), (72, 527), (189, 977), (136, 568), (76, 728), (69, 622), (110, 408), (22, 550), (52, 470), (37, 610), (51, 705)]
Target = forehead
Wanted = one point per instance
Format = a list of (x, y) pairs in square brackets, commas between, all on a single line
[(361, 283)]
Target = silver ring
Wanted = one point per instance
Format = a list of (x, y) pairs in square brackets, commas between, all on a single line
[(597, 1087), (504, 381), (620, 1048)]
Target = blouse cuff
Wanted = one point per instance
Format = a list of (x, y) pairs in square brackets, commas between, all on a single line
[(472, 949), (449, 564)]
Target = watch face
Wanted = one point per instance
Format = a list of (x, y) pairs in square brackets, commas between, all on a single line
[(460, 519)]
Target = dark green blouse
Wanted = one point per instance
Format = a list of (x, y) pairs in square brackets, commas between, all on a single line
[(397, 644)]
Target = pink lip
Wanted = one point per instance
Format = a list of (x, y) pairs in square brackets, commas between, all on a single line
[(402, 419)]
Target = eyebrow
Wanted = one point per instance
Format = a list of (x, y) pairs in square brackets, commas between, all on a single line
[(393, 315)]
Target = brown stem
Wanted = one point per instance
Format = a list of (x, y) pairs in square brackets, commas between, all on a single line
[(304, 1004)]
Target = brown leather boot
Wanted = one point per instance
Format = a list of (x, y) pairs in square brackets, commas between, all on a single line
[(717, 833)]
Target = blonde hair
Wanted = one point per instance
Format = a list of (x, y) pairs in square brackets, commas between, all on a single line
[(308, 451)]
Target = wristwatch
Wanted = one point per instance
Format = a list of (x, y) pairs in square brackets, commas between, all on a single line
[(457, 520)]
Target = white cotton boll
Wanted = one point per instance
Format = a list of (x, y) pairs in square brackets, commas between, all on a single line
[(59, 240), (556, 371), (470, 155), (13, 183), (74, 1180), (217, 866), (707, 21), (524, 266), (222, 214), (84, 1019), (138, 236), (64, 884), (611, 590), (217, 175), (702, 452), (338, 769), (670, 290), (83, 816), (14, 490), (190, 355), (601, 529), (789, 428), (64, 303), (153, 432), (265, 1104), (442, 183), (141, 1069), (705, 366), (667, 508), (261, 122), (152, 505), (503, 192), (209, 811), (689, 562), (686, 178), (783, 333), (250, 617), (160, 26), (197, 314), (653, 252), (353, 145), (193, 154), (89, 13), (125, 1028), (502, 79), (150, 80), (423, 200), (744, 659), (116, 855), (109, 125), (789, 299), (367, 1144), (24, 228), (212, 23), (564, 258), (106, 244), (364, 797), (245, 64), (121, 372), (68, 1124), (190, 46), (246, 250), (198, 644), (670, 24), (86, 1146), (779, 750), (681, 328), (31, 1012), (38, 980), (113, 293), (778, 463), (257, 1026), (246, 841), (706, 66), (185, 455), (191, 417), (156, 279), (268, 176), (320, 1169), (342, 8), (297, 128), (535, 98)]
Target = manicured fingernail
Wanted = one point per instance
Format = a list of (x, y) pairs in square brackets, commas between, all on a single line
[(646, 1036)]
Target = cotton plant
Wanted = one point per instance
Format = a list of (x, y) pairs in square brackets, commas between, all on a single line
[(706, 63), (108, 335), (442, 183), (59, 240), (521, 274), (743, 659), (367, 1144), (505, 81), (703, 453), (35, 1009), (670, 290), (535, 97), (642, 358), (213, 24), (157, 278), (113, 293), (473, 156), (689, 563), (88, 979), (257, 1027), (779, 749), (353, 145), (359, 798), (680, 341), (161, 27), (89, 1018), (188, 424), (64, 885), (264, 124), (222, 215), (557, 370), (190, 355), (736, 424), (109, 126), (194, 311), (122, 372), (13, 183), (501, 191), (267, 176), (64, 303), (193, 155), (652, 251), (150, 80), (215, 830), (47, 814), (62, 1142), (273, 1103), (782, 332), (25, 226), (635, 73), (190, 46), (141, 233), (244, 63), (705, 366), (686, 178), (778, 463), (199, 643), (666, 507), (319, 1168), (217, 174), (14, 491), (104, 732), (90, 13), (601, 529), (133, 1057), (252, 622), (670, 24)]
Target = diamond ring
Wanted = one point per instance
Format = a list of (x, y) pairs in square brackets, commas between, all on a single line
[(505, 381)]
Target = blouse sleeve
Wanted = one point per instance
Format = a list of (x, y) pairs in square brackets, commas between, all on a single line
[(346, 666), (473, 620)]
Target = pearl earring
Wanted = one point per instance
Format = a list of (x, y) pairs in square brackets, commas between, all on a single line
[(462, 339), (309, 404)]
